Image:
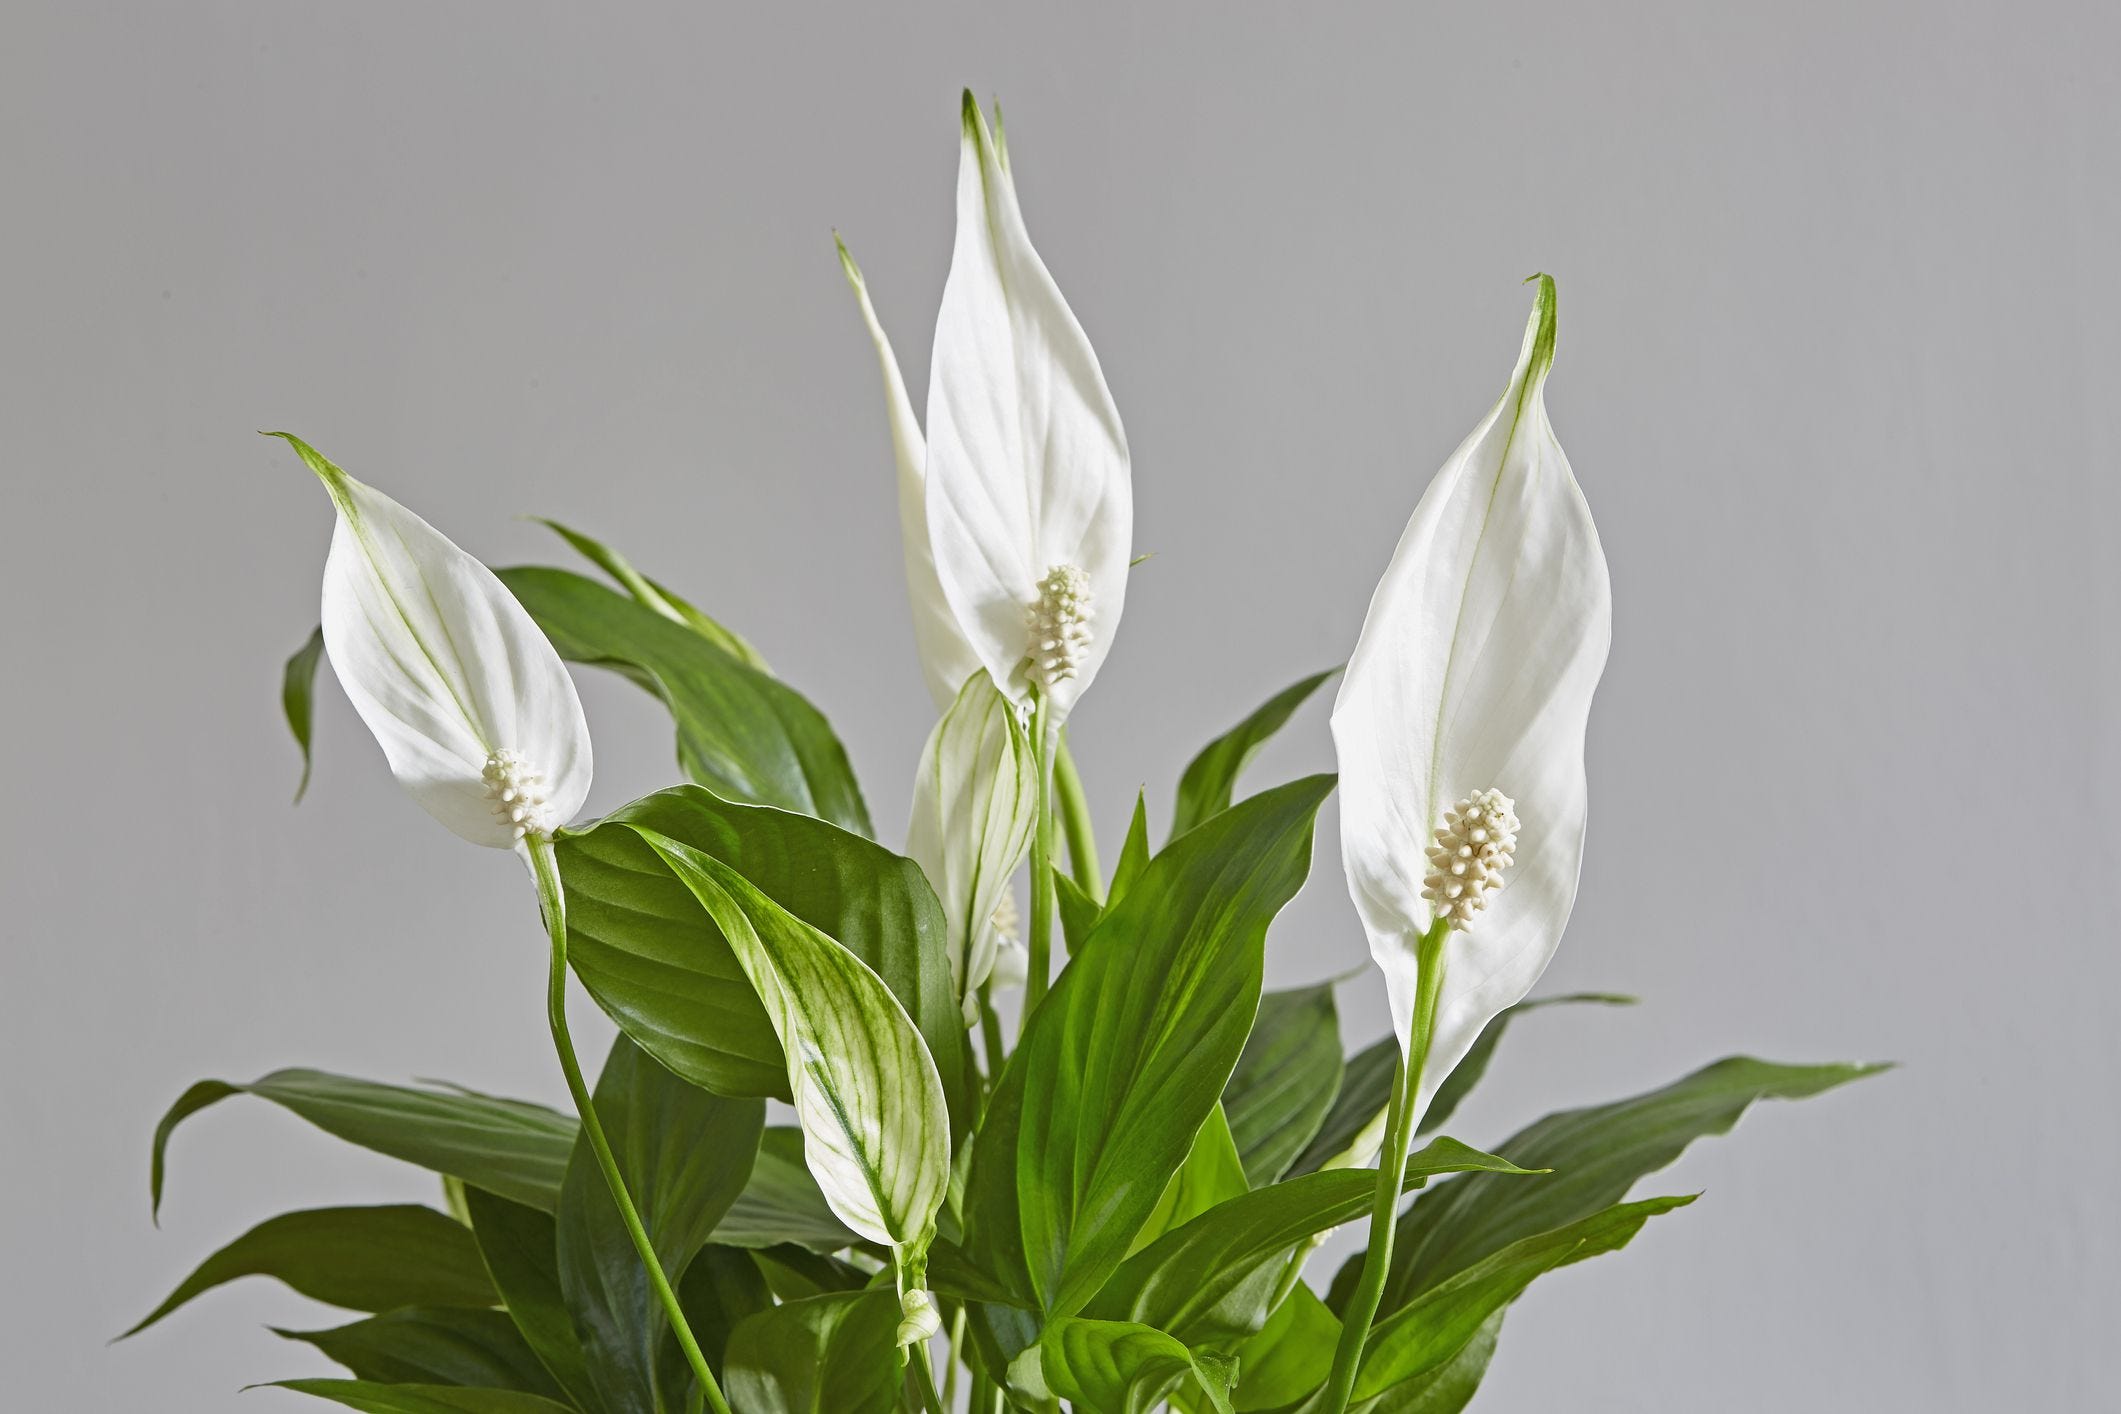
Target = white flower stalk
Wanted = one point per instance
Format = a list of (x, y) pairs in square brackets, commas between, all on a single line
[(1029, 493), (975, 804), (1474, 674), (472, 707)]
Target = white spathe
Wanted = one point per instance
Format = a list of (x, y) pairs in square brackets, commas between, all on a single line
[(975, 804), (1475, 670), (472, 707), (1027, 468)]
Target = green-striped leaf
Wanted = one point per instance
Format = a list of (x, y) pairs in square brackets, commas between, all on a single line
[(1117, 1367), (436, 1345), (373, 1398), (652, 595), (782, 1203), (1285, 1081), (876, 1128), (510, 1147), (744, 734), (684, 1155), (520, 1247), (1210, 778), (362, 1259), (834, 1354)]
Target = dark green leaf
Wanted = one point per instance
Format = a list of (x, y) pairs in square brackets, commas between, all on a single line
[(1424, 1335), (1365, 1087), (1116, 1367), (1467, 1073), (684, 1155), (1129, 1052), (721, 1288), (298, 687), (422, 1399), (364, 1259), (1211, 1279), (520, 1247), (1285, 1081), (1446, 1389), (510, 1147), (1078, 911), (1597, 1154), (436, 1345), (1133, 852), (825, 1355), (782, 1203), (1211, 777), (1290, 1356), (795, 1273), (654, 596), (653, 958), (742, 733)]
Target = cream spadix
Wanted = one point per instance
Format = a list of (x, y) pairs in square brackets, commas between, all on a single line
[(470, 703), (1473, 678)]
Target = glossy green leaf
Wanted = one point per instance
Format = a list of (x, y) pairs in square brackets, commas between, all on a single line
[(1129, 1053), (436, 1345), (510, 1147), (1449, 1387), (684, 1154), (1133, 852), (520, 1247), (1211, 1280), (363, 1259), (656, 961), (1597, 1154), (876, 1127), (782, 1203), (1078, 911), (742, 733), (1289, 1356), (373, 1398), (1117, 1367), (1285, 1080), (652, 595), (795, 1273), (833, 1354), (1212, 1173), (721, 1289), (1210, 778), (298, 689), (1468, 1072), (1355, 1120), (1423, 1335)]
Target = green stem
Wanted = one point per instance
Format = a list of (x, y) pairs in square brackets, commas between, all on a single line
[(552, 899), (1041, 930), (990, 1034), (1391, 1175), (957, 1344), (1075, 823)]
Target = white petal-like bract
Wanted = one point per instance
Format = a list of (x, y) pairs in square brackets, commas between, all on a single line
[(447, 670), (1475, 670)]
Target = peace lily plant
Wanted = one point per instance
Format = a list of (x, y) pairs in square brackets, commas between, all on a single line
[(1111, 1210)]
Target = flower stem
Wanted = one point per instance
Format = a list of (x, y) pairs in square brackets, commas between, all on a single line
[(1041, 929), (1075, 822), (1391, 1174), (957, 1344), (552, 900)]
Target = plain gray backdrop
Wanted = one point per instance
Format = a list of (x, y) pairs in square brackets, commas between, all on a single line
[(1836, 371)]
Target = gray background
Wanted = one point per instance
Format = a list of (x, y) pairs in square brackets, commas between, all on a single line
[(1837, 367)]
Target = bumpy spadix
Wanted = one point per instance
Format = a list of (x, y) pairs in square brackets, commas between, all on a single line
[(1473, 677), (472, 707)]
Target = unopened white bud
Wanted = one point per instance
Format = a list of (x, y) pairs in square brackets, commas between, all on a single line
[(1475, 843), (1060, 626), (919, 1318), (518, 794)]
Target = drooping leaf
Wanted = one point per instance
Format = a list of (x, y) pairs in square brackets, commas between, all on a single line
[(1462, 1079), (1211, 1280), (510, 1147), (649, 594), (371, 1398), (742, 733), (1449, 1387), (1285, 1080), (1212, 1173), (1354, 1125), (782, 1203), (1117, 1367), (520, 1247), (834, 1354), (298, 689), (1210, 778), (1597, 1154), (684, 1155), (436, 1345), (362, 1259), (658, 963), (1129, 1052), (1289, 1356), (876, 1127), (1423, 1335)]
